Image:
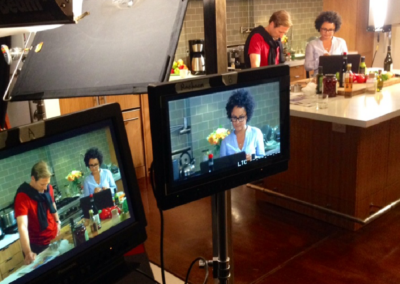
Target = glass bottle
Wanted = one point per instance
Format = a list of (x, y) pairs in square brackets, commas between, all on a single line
[(343, 70), (371, 84), (379, 82), (92, 222), (320, 77), (388, 62), (93, 207), (348, 82), (72, 224), (362, 68), (210, 163)]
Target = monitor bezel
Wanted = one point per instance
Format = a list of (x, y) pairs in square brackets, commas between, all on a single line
[(203, 186), (105, 253)]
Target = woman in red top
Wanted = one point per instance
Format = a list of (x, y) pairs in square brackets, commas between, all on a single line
[(36, 212)]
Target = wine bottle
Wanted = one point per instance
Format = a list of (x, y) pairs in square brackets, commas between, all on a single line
[(320, 77), (388, 62), (210, 163), (362, 68), (348, 79), (343, 70)]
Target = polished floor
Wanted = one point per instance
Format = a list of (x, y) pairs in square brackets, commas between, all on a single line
[(274, 245)]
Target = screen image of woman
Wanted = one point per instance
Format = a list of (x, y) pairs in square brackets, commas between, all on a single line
[(99, 179), (239, 110)]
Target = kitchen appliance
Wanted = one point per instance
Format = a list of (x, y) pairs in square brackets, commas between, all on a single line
[(197, 62), (9, 223), (235, 53), (187, 163)]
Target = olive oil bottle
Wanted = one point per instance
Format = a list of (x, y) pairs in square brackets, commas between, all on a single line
[(348, 82)]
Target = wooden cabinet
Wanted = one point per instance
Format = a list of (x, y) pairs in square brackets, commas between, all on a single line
[(297, 73), (135, 114), (354, 25), (11, 259)]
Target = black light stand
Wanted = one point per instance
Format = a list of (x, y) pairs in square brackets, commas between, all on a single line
[(220, 262)]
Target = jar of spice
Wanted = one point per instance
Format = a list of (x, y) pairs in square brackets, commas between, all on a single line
[(329, 85)]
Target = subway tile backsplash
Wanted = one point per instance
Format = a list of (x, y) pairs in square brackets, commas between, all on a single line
[(243, 13)]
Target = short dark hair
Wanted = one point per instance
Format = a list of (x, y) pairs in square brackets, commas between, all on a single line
[(330, 17), (240, 98), (93, 153)]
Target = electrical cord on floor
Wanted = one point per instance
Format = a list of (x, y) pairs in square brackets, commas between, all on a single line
[(145, 274), (162, 242), (191, 266), (153, 185)]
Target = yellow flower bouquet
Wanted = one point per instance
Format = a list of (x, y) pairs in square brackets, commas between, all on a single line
[(75, 177), (216, 137)]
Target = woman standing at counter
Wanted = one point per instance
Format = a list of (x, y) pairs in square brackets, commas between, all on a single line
[(99, 179), (327, 23)]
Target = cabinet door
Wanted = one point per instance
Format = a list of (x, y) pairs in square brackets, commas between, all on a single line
[(133, 126), (297, 73), (77, 104), (125, 101)]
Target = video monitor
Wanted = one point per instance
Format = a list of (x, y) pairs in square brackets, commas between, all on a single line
[(334, 63), (216, 132), (53, 165)]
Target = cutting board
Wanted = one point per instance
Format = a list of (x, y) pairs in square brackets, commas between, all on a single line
[(359, 88)]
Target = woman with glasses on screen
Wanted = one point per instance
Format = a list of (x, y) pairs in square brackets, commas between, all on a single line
[(99, 179), (239, 109), (327, 23)]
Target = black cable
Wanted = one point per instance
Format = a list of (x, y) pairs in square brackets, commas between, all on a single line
[(145, 274), (162, 228), (191, 266)]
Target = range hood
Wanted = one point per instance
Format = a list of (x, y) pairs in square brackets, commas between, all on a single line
[(115, 50)]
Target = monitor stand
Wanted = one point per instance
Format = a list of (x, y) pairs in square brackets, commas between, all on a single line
[(220, 261)]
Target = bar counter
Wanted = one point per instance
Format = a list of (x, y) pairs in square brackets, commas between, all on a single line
[(344, 163)]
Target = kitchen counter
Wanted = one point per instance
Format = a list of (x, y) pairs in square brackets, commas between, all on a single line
[(296, 62), (362, 111), (8, 239), (344, 165)]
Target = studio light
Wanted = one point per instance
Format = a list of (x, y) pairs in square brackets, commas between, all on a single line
[(25, 16)]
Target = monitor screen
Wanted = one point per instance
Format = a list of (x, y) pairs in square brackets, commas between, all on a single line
[(217, 132), (90, 166)]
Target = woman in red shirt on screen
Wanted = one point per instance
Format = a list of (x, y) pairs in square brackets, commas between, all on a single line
[(36, 212)]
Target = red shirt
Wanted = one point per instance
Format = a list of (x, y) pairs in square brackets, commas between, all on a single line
[(24, 206), (258, 45)]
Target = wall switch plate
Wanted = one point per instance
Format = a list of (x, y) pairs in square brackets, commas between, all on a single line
[(337, 127)]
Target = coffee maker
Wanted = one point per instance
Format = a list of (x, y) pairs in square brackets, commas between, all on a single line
[(197, 62)]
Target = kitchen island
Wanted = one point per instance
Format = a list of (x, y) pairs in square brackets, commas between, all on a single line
[(344, 160)]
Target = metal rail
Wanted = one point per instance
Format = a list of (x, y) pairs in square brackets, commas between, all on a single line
[(352, 218)]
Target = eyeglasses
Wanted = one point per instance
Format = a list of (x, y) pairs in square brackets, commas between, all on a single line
[(93, 165), (236, 119), (327, 31)]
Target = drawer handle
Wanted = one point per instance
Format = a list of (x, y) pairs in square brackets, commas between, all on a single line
[(9, 259), (131, 110), (297, 76), (11, 270), (130, 119)]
